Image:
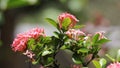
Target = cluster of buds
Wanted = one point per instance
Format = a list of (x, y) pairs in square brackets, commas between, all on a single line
[(75, 34), (101, 33)]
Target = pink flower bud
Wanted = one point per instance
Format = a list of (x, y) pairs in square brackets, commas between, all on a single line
[(75, 66), (74, 34), (114, 65), (19, 43), (101, 33), (67, 15)]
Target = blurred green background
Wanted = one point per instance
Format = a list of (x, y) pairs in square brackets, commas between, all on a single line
[(17, 16)]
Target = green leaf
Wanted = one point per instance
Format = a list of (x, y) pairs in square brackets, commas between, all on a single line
[(47, 61), (79, 26), (35, 62), (19, 3), (31, 44), (46, 52), (112, 59), (50, 60), (102, 41), (66, 22), (56, 34), (44, 40), (47, 39), (95, 38), (52, 22), (102, 62), (65, 47), (31, 41), (83, 50), (96, 64), (118, 55), (76, 59)]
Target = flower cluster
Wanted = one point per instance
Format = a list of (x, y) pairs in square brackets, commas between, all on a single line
[(75, 34), (20, 42), (43, 49)]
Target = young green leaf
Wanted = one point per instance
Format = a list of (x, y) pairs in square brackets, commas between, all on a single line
[(76, 59), (65, 47), (66, 22), (46, 53), (79, 26), (52, 22), (102, 41), (96, 64), (95, 38), (83, 50), (102, 62)]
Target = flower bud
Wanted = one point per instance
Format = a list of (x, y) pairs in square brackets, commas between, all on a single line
[(67, 15), (74, 34), (101, 33)]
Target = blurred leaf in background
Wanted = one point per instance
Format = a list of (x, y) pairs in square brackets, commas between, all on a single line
[(77, 5), (8, 4), (11, 4)]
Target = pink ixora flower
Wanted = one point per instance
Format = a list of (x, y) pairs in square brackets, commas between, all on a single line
[(101, 33), (67, 15), (19, 43), (114, 65), (74, 34)]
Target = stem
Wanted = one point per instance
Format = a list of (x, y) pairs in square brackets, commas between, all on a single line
[(90, 60), (56, 51), (29, 64), (54, 63), (94, 54)]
